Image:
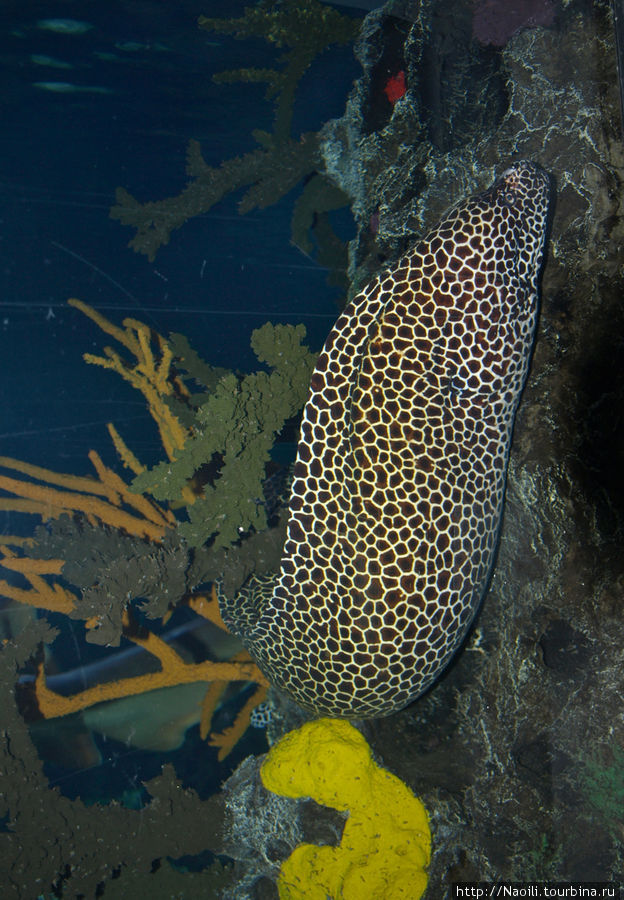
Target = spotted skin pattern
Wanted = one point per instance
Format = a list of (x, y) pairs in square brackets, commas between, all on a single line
[(399, 481)]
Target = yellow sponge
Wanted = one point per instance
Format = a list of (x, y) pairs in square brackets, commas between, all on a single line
[(386, 842)]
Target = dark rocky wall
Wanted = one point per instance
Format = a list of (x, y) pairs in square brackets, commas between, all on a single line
[(515, 751)]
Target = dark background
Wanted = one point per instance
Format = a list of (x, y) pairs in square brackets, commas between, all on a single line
[(141, 87), (131, 86)]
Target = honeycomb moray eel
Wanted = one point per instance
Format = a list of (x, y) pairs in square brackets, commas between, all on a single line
[(400, 474)]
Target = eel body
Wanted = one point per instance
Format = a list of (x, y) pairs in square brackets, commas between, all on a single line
[(400, 474)]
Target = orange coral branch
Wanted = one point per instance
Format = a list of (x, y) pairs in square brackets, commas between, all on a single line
[(124, 337), (48, 502), (14, 540), (228, 738), (151, 376), (173, 671), (124, 452), (29, 566), (209, 704), (52, 503), (208, 607), (40, 594), (99, 499), (119, 491), (22, 506), (85, 484)]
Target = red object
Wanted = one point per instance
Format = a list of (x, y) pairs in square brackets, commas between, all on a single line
[(395, 87)]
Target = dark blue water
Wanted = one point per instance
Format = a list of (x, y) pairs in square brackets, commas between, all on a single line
[(141, 87), (112, 100)]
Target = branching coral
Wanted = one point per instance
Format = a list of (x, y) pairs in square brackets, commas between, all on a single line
[(105, 500), (173, 671), (110, 555), (151, 375), (269, 172), (237, 423), (48, 594), (303, 30), (41, 594), (52, 846)]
